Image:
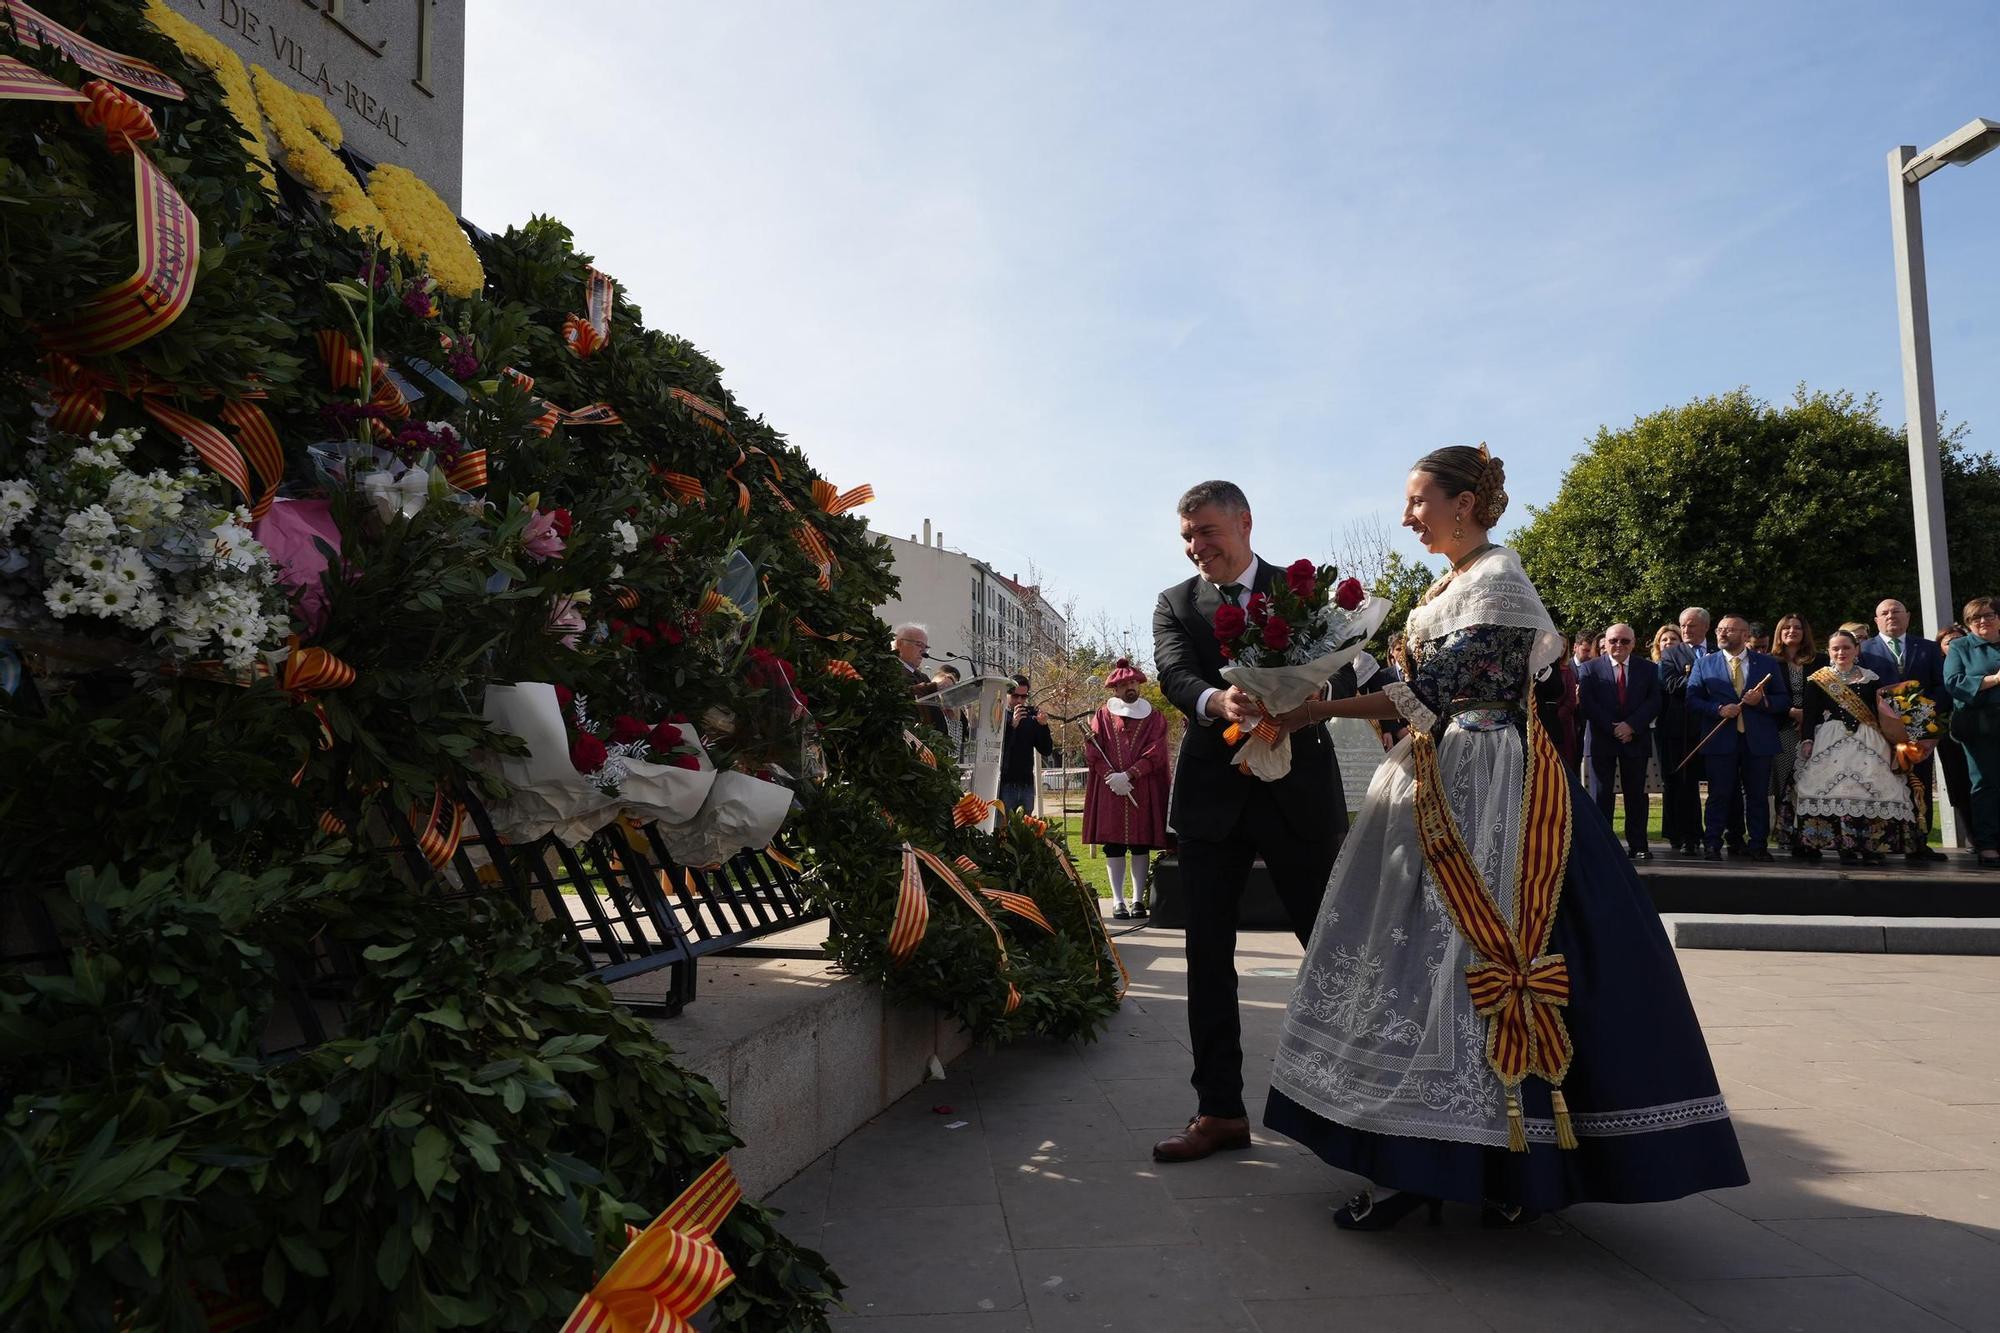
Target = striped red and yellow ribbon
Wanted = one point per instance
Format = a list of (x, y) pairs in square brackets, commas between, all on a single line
[(167, 231), (550, 416), (35, 30), (80, 398), (811, 633), (970, 810), (1517, 985), (842, 669), (913, 912), (588, 333), (686, 489), (837, 502), (441, 831), (668, 1271), (1097, 926), (1020, 904), (706, 414), (922, 751)]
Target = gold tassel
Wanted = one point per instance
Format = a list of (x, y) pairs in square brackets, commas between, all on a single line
[(1517, 1132), (1565, 1132)]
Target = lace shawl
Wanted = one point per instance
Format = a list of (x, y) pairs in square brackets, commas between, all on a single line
[(1493, 590)]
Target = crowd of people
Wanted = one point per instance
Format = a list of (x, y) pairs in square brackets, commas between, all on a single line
[(1804, 745)]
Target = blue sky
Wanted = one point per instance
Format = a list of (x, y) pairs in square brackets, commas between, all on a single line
[(1031, 269)]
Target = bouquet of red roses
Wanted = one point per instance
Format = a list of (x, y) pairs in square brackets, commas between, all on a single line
[(1284, 647)]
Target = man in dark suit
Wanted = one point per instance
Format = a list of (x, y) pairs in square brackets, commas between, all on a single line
[(1735, 685), (1896, 655), (1224, 819), (1619, 696)]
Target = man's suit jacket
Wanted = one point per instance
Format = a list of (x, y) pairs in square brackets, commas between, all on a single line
[(1709, 688), (1922, 662), (1597, 697), (1209, 793), (1676, 664)]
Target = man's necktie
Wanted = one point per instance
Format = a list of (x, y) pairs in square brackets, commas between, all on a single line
[(1621, 686), (1231, 592), (1736, 679), (1896, 649)]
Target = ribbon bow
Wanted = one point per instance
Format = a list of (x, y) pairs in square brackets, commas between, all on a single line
[(587, 333), (1526, 1033), (670, 1270), (125, 121)]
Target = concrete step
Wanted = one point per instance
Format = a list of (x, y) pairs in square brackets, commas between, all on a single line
[(1833, 934)]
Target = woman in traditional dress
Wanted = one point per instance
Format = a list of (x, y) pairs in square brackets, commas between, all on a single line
[(1972, 679), (1489, 1010), (1799, 655), (1125, 804), (1850, 797)]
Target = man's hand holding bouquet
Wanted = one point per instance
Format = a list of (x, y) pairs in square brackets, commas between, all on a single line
[(1284, 647)]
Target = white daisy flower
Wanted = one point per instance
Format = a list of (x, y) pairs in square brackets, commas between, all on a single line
[(64, 598), (628, 536)]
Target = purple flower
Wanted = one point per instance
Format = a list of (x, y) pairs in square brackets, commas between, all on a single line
[(461, 365), (419, 302), (540, 540)]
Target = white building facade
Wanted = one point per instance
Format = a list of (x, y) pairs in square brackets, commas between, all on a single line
[(979, 620)]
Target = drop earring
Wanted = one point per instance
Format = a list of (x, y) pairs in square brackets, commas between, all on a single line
[(1457, 530)]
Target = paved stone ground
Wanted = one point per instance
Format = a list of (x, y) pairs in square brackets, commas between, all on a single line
[(1866, 1091)]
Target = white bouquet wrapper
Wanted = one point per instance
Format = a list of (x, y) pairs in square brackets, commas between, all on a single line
[(549, 795), (662, 792), (740, 812), (1282, 688)]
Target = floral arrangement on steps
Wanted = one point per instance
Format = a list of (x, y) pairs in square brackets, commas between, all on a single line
[(452, 491)]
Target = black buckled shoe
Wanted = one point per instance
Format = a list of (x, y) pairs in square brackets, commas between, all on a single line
[(1364, 1213)]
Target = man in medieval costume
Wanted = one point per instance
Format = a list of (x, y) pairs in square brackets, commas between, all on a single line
[(1125, 805)]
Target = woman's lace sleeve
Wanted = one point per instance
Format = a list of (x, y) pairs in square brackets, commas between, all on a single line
[(1410, 705)]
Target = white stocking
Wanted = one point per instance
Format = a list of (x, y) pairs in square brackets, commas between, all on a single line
[(1117, 864), (1142, 865)]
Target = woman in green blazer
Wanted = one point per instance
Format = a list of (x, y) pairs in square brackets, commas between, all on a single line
[(1972, 679)]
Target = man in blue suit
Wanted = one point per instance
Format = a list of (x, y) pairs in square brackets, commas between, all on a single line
[(1896, 655), (1748, 693), (1619, 696)]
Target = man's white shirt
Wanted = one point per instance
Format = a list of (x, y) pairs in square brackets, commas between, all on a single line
[(1248, 578)]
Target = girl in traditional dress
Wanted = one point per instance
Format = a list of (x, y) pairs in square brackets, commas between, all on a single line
[(1125, 805), (1850, 797), (1489, 1010)]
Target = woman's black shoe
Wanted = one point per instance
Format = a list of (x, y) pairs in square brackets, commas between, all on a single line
[(1501, 1217), (1363, 1213)]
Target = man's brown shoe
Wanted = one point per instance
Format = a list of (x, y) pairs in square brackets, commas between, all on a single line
[(1204, 1134)]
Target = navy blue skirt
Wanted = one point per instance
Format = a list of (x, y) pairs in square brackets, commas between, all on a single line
[(1641, 1089)]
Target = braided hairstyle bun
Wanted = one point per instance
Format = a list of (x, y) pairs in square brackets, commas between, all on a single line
[(1460, 468)]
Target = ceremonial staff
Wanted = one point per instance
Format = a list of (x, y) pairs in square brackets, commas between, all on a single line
[(1741, 699)]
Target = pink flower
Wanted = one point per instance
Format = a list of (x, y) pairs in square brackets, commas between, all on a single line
[(1300, 576), (565, 619), (1349, 594), (540, 540), (587, 754), (1277, 633)]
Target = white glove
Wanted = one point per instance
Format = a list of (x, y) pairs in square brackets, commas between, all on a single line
[(1120, 783)]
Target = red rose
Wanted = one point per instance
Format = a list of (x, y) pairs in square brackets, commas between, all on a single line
[(1348, 594), (677, 717), (1227, 651), (560, 521), (563, 695), (661, 541), (1300, 576), (1229, 621), (625, 729), (665, 737), (1260, 606), (683, 761), (587, 754), (1278, 633)]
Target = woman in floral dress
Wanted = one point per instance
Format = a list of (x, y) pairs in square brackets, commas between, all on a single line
[(1850, 797), (1489, 1010)]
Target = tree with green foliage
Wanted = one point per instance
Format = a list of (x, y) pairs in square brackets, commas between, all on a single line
[(1740, 505)]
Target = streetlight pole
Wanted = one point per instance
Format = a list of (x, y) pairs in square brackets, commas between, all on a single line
[(1913, 311), (1908, 167)]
